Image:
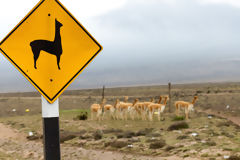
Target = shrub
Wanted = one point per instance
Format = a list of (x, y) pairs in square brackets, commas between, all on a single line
[(178, 118), (158, 144), (177, 126)]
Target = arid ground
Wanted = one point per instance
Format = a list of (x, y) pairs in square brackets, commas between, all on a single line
[(212, 132)]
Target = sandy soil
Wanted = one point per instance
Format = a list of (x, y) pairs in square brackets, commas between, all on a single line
[(7, 133), (234, 119)]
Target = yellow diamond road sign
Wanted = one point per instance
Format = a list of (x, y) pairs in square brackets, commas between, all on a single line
[(50, 48)]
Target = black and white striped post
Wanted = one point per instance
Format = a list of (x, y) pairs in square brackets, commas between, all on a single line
[(51, 141)]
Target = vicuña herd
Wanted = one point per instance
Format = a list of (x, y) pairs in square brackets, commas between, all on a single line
[(144, 110)]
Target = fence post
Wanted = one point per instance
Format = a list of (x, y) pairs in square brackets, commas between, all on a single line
[(103, 97), (103, 94), (169, 94)]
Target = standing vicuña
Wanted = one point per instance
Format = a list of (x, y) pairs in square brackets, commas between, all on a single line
[(98, 109), (157, 107), (187, 106), (52, 47)]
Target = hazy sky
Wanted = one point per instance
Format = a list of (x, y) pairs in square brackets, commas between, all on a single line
[(145, 41)]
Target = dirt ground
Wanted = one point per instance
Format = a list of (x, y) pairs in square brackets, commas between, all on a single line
[(15, 146), (213, 131)]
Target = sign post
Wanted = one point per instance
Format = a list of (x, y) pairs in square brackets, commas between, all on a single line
[(51, 141)]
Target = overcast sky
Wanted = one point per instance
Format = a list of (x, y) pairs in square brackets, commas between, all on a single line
[(145, 41)]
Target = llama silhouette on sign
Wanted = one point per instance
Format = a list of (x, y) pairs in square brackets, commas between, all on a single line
[(52, 47)]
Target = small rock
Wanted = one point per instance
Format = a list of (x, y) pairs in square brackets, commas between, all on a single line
[(210, 116), (226, 157), (34, 137), (130, 146), (30, 133), (194, 134)]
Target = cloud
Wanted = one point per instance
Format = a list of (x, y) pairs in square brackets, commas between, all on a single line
[(80, 8), (12, 11), (231, 60), (92, 8), (235, 3), (156, 41)]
